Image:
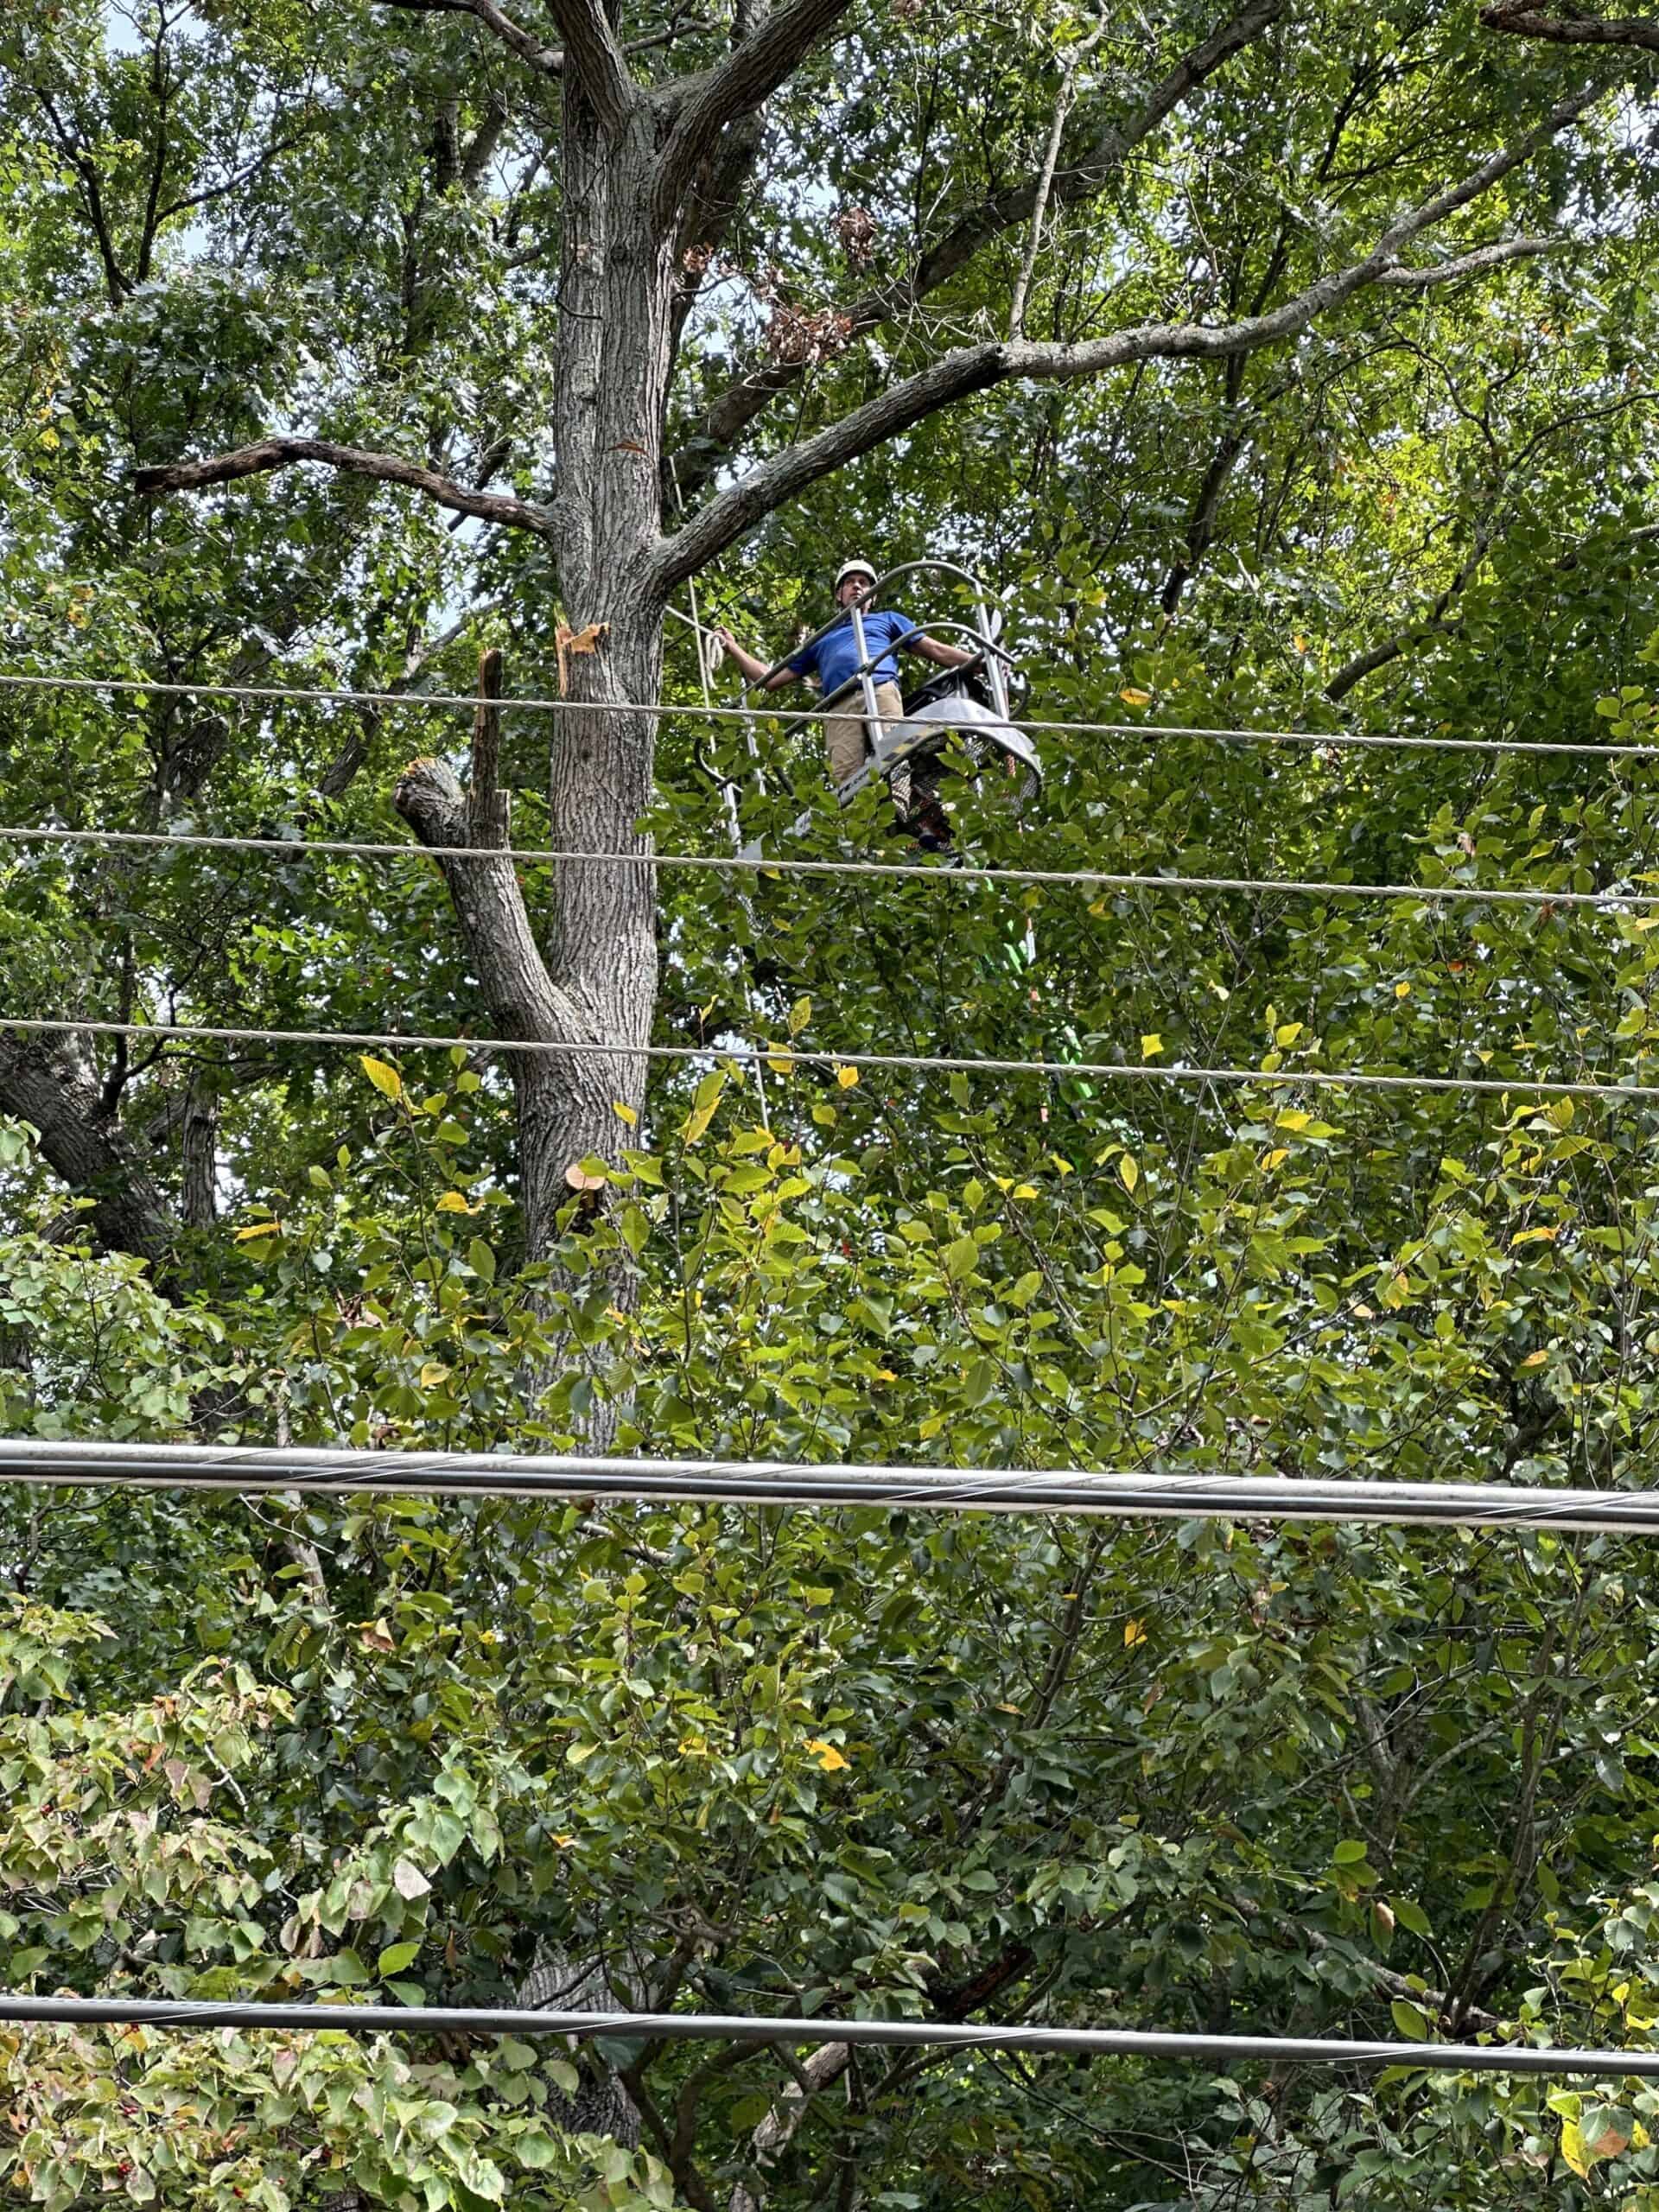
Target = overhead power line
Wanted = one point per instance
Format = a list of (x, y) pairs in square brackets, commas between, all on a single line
[(1223, 2051), (254, 1470), (282, 695), (782, 1057), (287, 850)]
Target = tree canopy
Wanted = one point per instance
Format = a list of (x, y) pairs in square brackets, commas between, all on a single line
[(1285, 368)]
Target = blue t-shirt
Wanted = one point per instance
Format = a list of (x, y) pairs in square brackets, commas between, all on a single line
[(835, 657)]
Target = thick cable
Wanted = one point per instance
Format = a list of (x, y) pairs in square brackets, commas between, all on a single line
[(927, 2035), (281, 693), (290, 850), (256, 1469), (781, 1057)]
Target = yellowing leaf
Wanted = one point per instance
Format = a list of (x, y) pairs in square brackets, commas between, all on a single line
[(385, 1077), (624, 1113), (1134, 1632), (826, 1755), (1025, 1191), (1151, 1047), (1536, 1237), (1535, 1359), (454, 1202), (1129, 1170), (1402, 990), (432, 1374), (1132, 697), (1275, 1157), (848, 1079), (259, 1229)]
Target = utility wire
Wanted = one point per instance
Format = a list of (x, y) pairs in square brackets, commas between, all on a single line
[(1094, 2043), (254, 1470), (290, 849), (280, 695), (781, 1057)]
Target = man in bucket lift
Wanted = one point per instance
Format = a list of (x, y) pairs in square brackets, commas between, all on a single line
[(833, 658)]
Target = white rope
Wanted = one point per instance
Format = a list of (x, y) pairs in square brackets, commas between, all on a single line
[(290, 849), (427, 2020), (463, 700), (781, 1057)]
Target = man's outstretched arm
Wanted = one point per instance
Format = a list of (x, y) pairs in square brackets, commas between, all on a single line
[(755, 669), (931, 649)]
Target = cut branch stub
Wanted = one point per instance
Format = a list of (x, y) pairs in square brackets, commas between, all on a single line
[(487, 805)]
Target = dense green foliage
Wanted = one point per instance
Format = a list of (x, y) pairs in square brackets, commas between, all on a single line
[(1312, 1780)]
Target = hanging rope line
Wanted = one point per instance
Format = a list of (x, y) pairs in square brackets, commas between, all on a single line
[(280, 695), (927, 2035), (255, 1470), (290, 850), (781, 1057)]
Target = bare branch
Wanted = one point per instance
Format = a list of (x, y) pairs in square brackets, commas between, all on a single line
[(1062, 101), (970, 369), (546, 60), (748, 76), (1082, 173), (1470, 264), (71, 145), (284, 453), (1572, 30), (210, 192)]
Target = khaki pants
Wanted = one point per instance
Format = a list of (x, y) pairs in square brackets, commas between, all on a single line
[(845, 739)]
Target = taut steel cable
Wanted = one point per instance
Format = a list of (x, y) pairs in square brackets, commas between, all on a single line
[(1094, 2043), (780, 1058), (280, 694), (291, 849), (256, 1469)]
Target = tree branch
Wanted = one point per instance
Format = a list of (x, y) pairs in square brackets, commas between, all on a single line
[(71, 145), (749, 75), (284, 453), (1063, 100), (545, 60), (1526, 22), (594, 57), (970, 369), (1470, 264), (1082, 174)]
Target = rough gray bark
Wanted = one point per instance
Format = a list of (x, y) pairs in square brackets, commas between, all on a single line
[(51, 1086), (1572, 30), (199, 1148), (601, 2105), (522, 996)]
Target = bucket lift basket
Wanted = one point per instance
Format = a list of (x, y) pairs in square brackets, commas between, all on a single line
[(970, 704)]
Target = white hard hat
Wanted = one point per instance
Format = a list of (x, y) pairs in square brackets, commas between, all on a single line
[(855, 568)]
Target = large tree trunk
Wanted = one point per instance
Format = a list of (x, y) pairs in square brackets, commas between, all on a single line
[(597, 981), (614, 349)]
